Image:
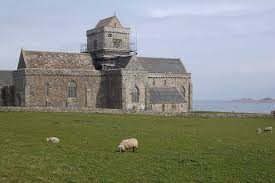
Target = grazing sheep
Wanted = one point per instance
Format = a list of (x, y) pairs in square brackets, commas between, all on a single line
[(53, 139), (128, 144), (259, 130), (268, 129)]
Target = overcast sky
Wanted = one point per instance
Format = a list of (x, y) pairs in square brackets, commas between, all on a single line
[(227, 45)]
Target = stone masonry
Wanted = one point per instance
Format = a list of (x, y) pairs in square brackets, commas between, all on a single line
[(109, 75)]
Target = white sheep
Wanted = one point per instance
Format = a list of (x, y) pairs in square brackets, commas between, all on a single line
[(53, 139), (128, 144), (268, 129), (259, 130)]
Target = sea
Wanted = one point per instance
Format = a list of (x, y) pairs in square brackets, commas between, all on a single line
[(230, 106)]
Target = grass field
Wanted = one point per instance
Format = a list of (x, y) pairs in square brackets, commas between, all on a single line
[(171, 149)]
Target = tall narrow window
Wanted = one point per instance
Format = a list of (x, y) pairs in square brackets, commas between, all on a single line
[(182, 91), (165, 82), (189, 96), (135, 94), (86, 102), (72, 90), (154, 82), (47, 88)]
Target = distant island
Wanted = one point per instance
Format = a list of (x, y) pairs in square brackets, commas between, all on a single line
[(250, 100)]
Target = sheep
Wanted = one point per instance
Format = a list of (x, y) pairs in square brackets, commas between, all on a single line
[(259, 130), (268, 129), (127, 144), (53, 139)]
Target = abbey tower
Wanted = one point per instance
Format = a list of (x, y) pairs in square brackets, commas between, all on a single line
[(108, 39)]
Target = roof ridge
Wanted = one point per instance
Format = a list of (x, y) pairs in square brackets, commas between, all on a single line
[(38, 51), (171, 58), (108, 18), (106, 21)]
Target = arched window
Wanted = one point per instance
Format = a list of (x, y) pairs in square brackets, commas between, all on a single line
[(182, 91), (135, 94), (72, 90)]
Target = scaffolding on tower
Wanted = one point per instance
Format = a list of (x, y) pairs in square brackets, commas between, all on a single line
[(83, 48), (133, 43)]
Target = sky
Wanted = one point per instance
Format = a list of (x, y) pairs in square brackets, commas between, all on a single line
[(227, 45)]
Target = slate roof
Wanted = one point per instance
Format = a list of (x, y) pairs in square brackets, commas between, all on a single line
[(162, 65), (109, 22), (55, 60), (127, 62), (153, 65), (165, 96), (6, 78)]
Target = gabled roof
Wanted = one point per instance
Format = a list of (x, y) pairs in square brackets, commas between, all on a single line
[(152, 65), (162, 65), (55, 60), (165, 96), (109, 22), (6, 78)]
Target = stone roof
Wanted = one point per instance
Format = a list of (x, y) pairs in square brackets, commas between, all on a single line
[(152, 65), (162, 65), (165, 96), (55, 60), (6, 78), (109, 22)]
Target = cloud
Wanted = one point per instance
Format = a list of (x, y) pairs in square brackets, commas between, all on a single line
[(192, 10), (208, 8)]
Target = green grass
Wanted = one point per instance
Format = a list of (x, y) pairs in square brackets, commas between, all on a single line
[(220, 112), (172, 149)]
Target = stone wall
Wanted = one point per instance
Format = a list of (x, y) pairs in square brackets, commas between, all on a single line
[(130, 80), (180, 81), (119, 111), (19, 81), (97, 89), (49, 88), (144, 81), (6, 95), (169, 108), (113, 33), (95, 35), (102, 41)]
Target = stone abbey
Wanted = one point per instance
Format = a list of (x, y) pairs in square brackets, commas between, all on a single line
[(107, 75)]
